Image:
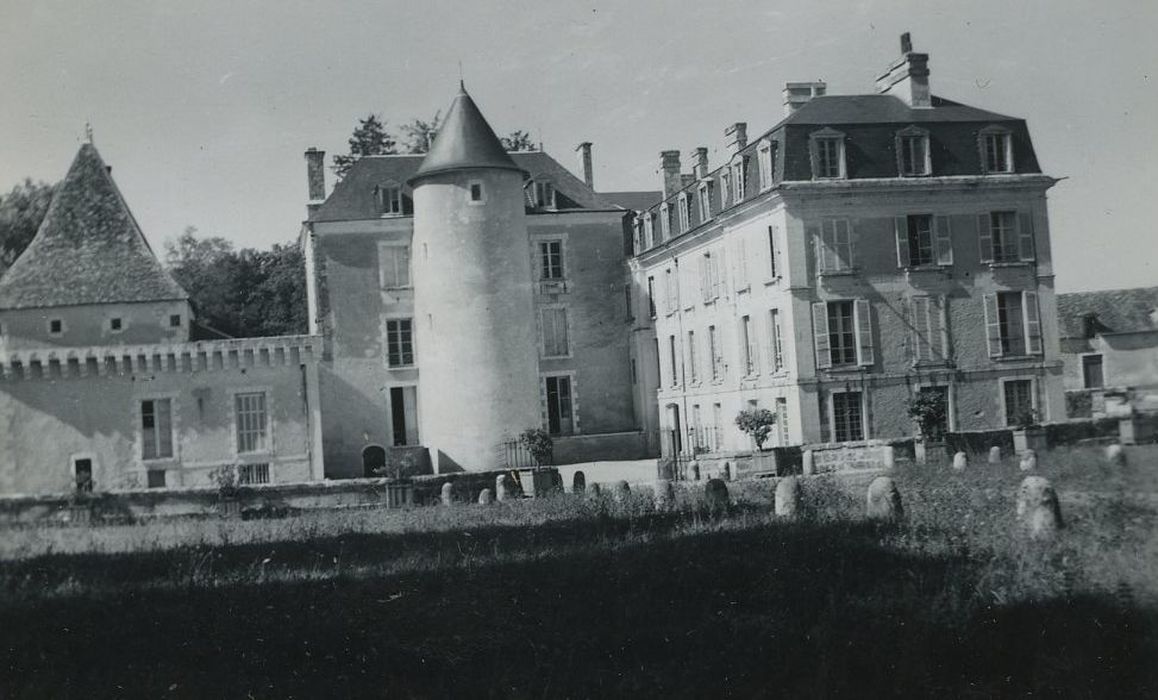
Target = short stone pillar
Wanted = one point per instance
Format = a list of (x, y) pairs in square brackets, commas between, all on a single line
[(622, 490), (595, 490), (504, 487), (889, 456), (1038, 510), (787, 497), (883, 501), (1115, 454), (578, 482), (726, 473), (808, 467), (1028, 461), (716, 495), (995, 455), (664, 494), (447, 494), (695, 471), (960, 461), (485, 497)]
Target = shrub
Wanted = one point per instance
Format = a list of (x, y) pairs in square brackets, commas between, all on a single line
[(756, 422), (929, 409), (538, 442)]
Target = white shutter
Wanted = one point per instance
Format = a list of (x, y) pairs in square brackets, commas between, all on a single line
[(1025, 236), (813, 235), (985, 237), (740, 261), (936, 328), (864, 332), (820, 335), (1032, 323), (944, 240), (921, 346), (992, 325), (721, 270), (850, 231), (901, 224)]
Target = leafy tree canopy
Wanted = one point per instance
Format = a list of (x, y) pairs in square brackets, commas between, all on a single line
[(518, 140), (370, 138), (21, 211)]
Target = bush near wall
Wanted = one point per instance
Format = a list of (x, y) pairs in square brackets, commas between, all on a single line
[(1079, 404), (1074, 431)]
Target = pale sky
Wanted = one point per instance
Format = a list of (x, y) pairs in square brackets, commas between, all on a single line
[(204, 108)]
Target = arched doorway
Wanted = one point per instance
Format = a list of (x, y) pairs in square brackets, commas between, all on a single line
[(373, 461)]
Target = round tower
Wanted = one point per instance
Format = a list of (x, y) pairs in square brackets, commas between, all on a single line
[(474, 320)]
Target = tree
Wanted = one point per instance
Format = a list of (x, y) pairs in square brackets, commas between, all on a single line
[(418, 135), (929, 409), (21, 212), (370, 138), (757, 422), (518, 140)]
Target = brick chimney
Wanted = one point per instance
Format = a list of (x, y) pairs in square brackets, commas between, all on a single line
[(736, 137), (315, 178), (908, 77), (670, 167), (700, 162), (796, 95), (585, 160)]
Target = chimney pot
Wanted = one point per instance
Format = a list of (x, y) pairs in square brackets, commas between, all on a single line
[(796, 95), (315, 178), (585, 159), (736, 136), (670, 167), (699, 159), (908, 77)]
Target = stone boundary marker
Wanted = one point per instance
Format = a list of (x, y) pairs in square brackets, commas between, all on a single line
[(446, 495), (1028, 461), (485, 497), (883, 501), (664, 493), (578, 482), (960, 461), (1038, 511), (1115, 454), (787, 501)]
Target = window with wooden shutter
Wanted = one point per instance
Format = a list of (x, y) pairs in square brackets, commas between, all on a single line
[(1032, 323), (820, 335), (992, 325), (901, 226), (944, 244), (812, 239), (1025, 236), (864, 333), (919, 317), (837, 246), (740, 260), (985, 237)]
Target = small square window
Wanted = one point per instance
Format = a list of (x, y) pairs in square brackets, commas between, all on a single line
[(115, 324), (175, 320), (56, 326), (476, 192), (155, 478)]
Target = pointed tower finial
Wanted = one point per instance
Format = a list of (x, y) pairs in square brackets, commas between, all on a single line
[(88, 132), (461, 82)]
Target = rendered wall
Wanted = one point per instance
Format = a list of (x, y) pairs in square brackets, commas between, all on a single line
[(142, 323)]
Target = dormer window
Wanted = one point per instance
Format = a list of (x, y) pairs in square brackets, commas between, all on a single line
[(476, 192), (638, 237), (684, 213), (739, 169), (725, 188), (764, 158), (996, 146), (116, 325), (648, 230), (542, 194), (705, 201), (665, 221), (388, 200), (828, 162), (913, 158)]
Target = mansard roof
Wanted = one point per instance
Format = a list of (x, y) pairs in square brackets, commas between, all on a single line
[(464, 141), (88, 250), (886, 109)]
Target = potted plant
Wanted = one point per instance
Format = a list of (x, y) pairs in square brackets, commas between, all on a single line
[(1028, 433), (757, 423), (930, 410), (228, 489), (538, 442)]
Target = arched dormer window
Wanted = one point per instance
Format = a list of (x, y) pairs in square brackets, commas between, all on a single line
[(913, 157), (826, 147), (388, 199), (996, 146)]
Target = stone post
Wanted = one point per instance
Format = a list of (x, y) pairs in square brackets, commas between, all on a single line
[(787, 497), (578, 482), (1038, 510), (504, 488), (884, 500), (1028, 461), (995, 455), (447, 494), (1115, 454), (664, 494), (809, 463), (485, 497), (889, 453), (960, 461)]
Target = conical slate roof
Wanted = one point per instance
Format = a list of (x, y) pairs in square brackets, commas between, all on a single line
[(464, 141), (89, 249)]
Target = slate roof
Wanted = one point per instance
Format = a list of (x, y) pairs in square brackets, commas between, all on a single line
[(464, 141), (1111, 311), (885, 109), (635, 201), (353, 196), (88, 250)]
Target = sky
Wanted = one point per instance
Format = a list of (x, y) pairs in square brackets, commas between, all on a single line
[(205, 108)]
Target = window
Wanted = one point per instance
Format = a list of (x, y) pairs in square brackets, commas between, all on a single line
[(665, 221), (156, 429), (827, 155), (842, 333), (56, 326), (115, 325), (764, 156), (675, 372), (926, 320), (555, 341), (771, 253), (708, 280), (1092, 377), (1012, 324), (705, 201), (1005, 236), (651, 296), (996, 150), (717, 353), (542, 194), (476, 193), (252, 432), (249, 474), (725, 187), (923, 240), (82, 473), (740, 256), (847, 416), (560, 419), (776, 340), (748, 340), (693, 369), (913, 157), (638, 237), (672, 291), (395, 266), (175, 320), (1018, 395), (835, 246), (648, 230), (155, 478), (739, 184), (551, 260), (717, 425), (399, 342), (388, 199), (684, 214), (628, 310)]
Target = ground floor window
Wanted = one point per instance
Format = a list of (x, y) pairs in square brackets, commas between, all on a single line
[(1019, 402), (847, 416), (560, 420), (82, 470), (156, 429), (155, 478), (248, 474), (252, 423), (1092, 375)]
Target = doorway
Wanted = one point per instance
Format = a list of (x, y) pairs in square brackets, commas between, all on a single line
[(404, 415), (373, 461), (82, 469), (560, 417)]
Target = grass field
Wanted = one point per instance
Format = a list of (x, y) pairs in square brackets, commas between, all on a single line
[(594, 598)]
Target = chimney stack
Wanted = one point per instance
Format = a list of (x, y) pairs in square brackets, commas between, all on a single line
[(585, 157), (796, 95), (908, 77), (736, 137), (670, 166), (700, 162), (315, 178)]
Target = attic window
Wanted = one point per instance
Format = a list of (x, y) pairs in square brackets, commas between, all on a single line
[(476, 192), (827, 150), (913, 158), (764, 157), (388, 200), (116, 325), (996, 145), (542, 194), (56, 326)]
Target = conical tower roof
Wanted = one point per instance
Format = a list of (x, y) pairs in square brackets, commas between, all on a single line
[(465, 141), (88, 250)]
